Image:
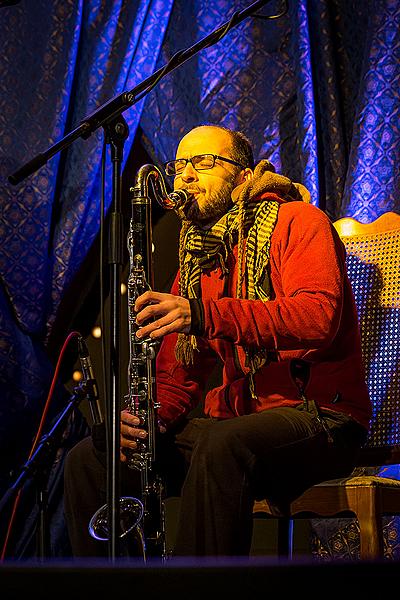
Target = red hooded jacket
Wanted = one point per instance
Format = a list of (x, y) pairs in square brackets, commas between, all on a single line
[(311, 316)]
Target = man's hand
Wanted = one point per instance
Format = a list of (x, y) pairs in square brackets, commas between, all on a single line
[(130, 433), (168, 314)]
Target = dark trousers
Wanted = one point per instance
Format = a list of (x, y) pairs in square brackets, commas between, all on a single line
[(224, 465)]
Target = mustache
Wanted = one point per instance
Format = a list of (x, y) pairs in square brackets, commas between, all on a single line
[(191, 189)]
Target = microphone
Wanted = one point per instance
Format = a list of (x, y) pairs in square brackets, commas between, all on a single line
[(90, 379)]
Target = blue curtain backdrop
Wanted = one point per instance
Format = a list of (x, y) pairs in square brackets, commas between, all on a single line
[(317, 92)]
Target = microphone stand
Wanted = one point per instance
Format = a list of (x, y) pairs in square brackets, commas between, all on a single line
[(37, 467), (109, 117), (116, 133)]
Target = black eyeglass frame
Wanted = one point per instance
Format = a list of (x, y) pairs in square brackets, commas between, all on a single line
[(187, 160)]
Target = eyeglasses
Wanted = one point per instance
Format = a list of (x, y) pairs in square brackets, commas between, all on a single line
[(200, 162)]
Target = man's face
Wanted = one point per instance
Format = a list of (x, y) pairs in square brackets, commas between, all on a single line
[(211, 189)]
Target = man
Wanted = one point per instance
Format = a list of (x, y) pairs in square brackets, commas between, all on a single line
[(262, 288)]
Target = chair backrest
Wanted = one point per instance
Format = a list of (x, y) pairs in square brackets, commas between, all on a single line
[(373, 264)]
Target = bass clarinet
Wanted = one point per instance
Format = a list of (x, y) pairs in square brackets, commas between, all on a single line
[(143, 518)]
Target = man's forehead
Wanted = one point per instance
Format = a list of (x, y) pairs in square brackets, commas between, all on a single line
[(204, 140)]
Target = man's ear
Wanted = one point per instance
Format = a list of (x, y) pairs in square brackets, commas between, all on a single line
[(246, 175)]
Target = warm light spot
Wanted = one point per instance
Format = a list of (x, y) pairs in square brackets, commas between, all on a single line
[(347, 228), (77, 375), (96, 332), (123, 289), (153, 247)]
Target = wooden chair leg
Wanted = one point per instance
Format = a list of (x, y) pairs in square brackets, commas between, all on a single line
[(371, 536), (366, 505)]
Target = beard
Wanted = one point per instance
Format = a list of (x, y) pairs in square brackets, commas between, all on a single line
[(217, 205)]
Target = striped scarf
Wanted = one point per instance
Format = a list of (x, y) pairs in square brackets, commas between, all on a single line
[(250, 219), (208, 249)]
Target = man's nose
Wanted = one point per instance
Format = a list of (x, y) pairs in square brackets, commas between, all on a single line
[(189, 173)]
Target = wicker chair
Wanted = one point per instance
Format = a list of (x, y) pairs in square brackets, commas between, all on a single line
[(373, 262)]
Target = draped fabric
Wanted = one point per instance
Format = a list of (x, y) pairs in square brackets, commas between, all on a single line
[(317, 92), (59, 60)]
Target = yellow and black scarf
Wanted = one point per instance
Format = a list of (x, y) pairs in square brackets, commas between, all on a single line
[(249, 219)]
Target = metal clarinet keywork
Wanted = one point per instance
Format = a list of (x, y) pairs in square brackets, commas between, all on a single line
[(142, 517)]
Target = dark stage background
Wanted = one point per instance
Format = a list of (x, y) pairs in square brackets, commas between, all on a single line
[(317, 92)]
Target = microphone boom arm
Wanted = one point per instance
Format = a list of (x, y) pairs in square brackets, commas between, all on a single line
[(114, 107)]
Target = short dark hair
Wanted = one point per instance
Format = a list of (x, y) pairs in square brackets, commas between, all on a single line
[(242, 151)]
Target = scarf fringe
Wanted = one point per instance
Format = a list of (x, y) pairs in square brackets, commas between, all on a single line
[(184, 349)]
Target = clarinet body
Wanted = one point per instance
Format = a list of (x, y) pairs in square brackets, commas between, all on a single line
[(141, 398), (142, 519)]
